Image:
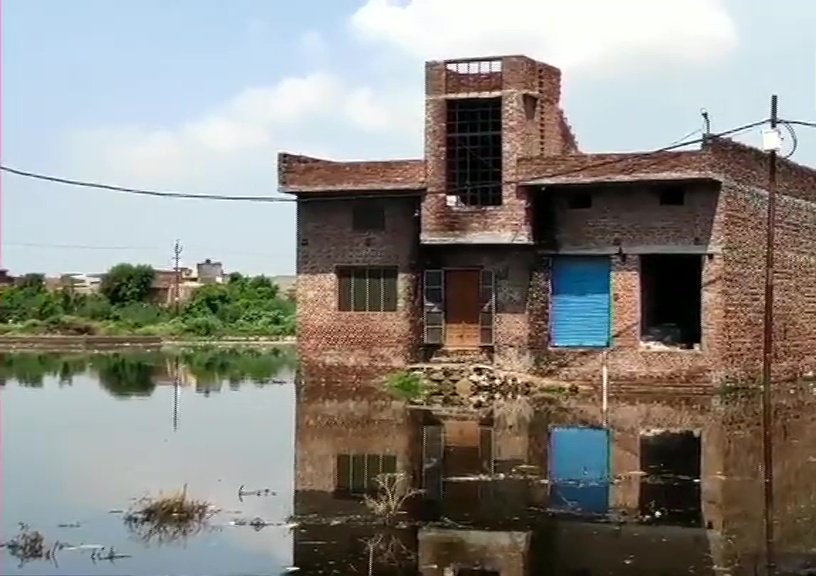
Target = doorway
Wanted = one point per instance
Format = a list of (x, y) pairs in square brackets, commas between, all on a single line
[(462, 309)]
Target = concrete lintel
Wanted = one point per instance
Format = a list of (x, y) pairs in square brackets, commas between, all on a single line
[(475, 238), (634, 249), (637, 178)]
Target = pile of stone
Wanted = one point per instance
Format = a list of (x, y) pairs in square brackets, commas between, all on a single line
[(470, 385)]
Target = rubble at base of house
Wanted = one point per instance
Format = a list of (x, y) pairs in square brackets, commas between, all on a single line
[(480, 386)]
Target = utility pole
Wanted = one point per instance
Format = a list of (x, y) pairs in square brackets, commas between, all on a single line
[(176, 392), (176, 276), (767, 356)]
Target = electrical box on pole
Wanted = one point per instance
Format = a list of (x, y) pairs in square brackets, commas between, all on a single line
[(771, 140)]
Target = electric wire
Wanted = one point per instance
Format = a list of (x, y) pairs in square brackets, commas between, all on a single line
[(138, 191), (618, 159), (799, 123), (794, 139)]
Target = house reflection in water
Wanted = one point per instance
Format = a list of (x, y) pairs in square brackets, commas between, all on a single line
[(671, 486)]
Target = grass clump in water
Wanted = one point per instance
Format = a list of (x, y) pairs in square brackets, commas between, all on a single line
[(27, 545), (168, 518)]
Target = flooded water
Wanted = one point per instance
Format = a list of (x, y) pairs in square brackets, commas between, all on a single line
[(82, 438), (656, 485)]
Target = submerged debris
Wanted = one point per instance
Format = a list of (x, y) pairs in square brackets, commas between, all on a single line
[(168, 518), (259, 493), (108, 554), (259, 523)]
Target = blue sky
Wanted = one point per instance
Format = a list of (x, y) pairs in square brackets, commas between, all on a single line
[(199, 95)]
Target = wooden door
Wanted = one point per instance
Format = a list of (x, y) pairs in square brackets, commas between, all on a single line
[(462, 309)]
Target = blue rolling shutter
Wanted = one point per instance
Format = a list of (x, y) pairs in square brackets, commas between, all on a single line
[(579, 470), (580, 302)]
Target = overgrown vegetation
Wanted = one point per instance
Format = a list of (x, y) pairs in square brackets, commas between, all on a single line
[(126, 305), (168, 518), (407, 386)]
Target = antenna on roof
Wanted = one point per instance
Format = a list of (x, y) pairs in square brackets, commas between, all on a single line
[(707, 124)]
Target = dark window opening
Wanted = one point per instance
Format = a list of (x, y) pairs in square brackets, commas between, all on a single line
[(367, 289), (672, 195), (670, 489), (671, 299), (476, 572), (474, 151), (530, 106), (368, 216), (357, 473), (579, 201)]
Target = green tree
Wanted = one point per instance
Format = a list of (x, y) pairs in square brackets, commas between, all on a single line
[(32, 282), (127, 283)]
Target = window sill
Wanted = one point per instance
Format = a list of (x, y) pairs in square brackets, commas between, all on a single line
[(474, 209), (368, 312), (645, 347)]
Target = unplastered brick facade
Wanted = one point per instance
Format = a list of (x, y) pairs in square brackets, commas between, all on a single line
[(518, 238)]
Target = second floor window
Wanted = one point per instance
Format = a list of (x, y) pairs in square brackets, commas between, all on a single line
[(474, 151), (365, 289)]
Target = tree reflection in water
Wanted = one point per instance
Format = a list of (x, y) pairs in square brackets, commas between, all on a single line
[(137, 373)]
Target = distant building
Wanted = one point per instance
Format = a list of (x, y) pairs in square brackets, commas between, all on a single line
[(5, 278), (210, 272), (74, 282), (162, 291)]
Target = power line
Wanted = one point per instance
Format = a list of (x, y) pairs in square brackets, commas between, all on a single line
[(618, 159), (799, 123), (140, 191)]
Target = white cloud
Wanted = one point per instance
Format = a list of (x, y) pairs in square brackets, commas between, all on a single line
[(236, 142), (591, 35)]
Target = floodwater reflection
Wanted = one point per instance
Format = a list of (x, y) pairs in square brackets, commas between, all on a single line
[(672, 485), (84, 438), (664, 484)]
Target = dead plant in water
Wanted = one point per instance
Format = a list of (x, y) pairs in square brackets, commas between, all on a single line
[(386, 550), (168, 518), (394, 489), (28, 545)]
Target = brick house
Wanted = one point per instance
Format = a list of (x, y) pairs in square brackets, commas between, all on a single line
[(508, 241)]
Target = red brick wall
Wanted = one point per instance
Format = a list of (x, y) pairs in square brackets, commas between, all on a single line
[(326, 240), (315, 175), (527, 131), (632, 215), (795, 284), (511, 267), (628, 365)]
